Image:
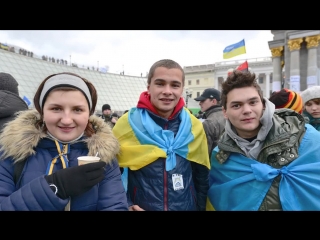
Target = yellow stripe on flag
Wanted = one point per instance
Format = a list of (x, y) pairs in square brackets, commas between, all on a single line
[(234, 53), (234, 49)]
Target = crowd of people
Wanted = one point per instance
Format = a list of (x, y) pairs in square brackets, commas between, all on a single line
[(245, 152)]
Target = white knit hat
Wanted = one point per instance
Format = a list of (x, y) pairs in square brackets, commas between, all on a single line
[(310, 93)]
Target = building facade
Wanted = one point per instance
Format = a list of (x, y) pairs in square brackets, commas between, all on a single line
[(197, 78), (296, 59), (262, 67), (200, 77)]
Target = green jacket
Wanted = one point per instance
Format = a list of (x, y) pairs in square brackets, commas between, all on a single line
[(279, 149)]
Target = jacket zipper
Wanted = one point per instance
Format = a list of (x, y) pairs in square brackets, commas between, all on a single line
[(193, 196), (134, 195)]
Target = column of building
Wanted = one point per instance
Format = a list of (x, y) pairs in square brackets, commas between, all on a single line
[(294, 47), (277, 69), (267, 85), (312, 69), (216, 82)]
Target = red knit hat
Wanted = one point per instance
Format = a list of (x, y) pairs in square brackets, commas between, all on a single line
[(286, 98)]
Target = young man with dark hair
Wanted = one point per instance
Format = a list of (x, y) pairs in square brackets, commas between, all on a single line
[(266, 159), (164, 146)]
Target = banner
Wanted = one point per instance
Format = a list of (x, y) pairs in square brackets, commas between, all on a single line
[(312, 81), (295, 83), (243, 67)]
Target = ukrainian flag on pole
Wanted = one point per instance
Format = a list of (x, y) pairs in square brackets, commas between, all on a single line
[(234, 50)]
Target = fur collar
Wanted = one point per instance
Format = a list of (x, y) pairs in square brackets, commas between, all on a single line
[(20, 137)]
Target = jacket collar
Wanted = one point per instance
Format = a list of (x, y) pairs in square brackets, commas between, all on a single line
[(214, 108), (280, 134)]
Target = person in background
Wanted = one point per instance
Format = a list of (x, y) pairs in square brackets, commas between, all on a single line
[(163, 146), (10, 101), (286, 98), (311, 105), (49, 139), (265, 159), (108, 116), (199, 115), (214, 120)]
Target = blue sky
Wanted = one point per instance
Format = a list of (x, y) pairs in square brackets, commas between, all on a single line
[(134, 51)]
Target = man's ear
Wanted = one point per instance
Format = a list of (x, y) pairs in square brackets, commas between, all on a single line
[(224, 113), (214, 101), (148, 87)]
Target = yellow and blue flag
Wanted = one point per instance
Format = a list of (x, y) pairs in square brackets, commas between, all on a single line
[(142, 141), (234, 50), (4, 46)]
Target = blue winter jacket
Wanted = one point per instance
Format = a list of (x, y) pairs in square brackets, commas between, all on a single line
[(32, 191), (151, 187)]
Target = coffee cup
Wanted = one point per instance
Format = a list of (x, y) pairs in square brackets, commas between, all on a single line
[(87, 159)]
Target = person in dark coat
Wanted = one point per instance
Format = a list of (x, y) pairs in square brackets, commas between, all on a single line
[(108, 116), (213, 119), (10, 101), (49, 139)]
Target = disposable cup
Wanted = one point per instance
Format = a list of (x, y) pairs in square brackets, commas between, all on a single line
[(87, 159)]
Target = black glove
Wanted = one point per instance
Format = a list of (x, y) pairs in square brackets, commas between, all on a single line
[(76, 180)]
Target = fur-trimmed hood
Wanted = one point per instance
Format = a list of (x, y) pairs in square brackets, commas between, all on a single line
[(20, 137)]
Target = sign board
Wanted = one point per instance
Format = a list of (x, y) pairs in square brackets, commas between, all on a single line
[(312, 81), (295, 83)]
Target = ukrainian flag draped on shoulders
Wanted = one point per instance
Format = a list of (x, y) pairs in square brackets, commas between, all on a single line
[(142, 141), (241, 183)]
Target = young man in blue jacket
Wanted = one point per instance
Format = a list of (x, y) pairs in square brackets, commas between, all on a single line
[(164, 146)]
